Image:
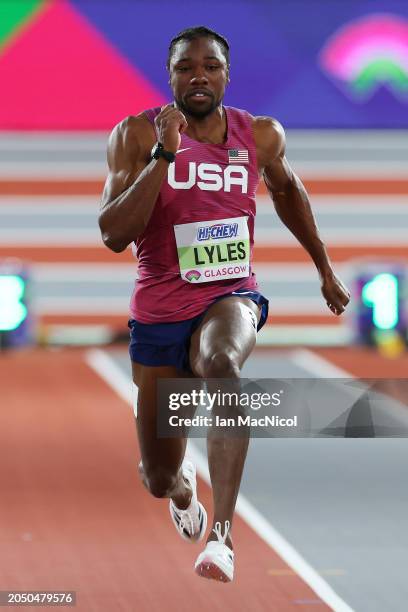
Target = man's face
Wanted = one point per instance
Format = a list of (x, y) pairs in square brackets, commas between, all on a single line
[(198, 76)]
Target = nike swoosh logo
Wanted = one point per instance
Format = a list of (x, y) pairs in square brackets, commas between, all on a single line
[(181, 150)]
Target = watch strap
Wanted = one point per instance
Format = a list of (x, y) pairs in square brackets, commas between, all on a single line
[(160, 151)]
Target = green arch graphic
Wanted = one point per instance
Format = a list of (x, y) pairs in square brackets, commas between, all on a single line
[(14, 14), (381, 72)]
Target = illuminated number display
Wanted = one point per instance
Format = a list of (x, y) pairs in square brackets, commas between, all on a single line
[(381, 294), (12, 309)]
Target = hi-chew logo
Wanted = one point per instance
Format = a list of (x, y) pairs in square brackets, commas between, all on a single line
[(217, 231)]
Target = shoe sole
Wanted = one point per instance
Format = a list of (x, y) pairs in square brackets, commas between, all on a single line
[(208, 569)]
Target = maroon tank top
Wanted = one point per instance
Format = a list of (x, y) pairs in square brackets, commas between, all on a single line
[(198, 243)]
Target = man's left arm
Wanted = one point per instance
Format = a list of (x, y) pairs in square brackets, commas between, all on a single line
[(293, 207)]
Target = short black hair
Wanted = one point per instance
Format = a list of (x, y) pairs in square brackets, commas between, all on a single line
[(199, 32)]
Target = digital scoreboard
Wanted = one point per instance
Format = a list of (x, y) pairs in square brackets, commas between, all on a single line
[(381, 318), (15, 320)]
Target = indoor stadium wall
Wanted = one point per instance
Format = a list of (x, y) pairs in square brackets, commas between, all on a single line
[(71, 69)]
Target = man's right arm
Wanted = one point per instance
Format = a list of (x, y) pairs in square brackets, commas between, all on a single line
[(133, 183)]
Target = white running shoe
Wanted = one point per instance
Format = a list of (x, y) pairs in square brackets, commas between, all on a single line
[(191, 523), (217, 559)]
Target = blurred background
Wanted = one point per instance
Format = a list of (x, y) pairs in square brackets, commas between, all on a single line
[(335, 74)]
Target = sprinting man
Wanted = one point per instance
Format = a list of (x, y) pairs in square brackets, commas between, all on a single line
[(181, 186)]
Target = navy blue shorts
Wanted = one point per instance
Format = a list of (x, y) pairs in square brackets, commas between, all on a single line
[(168, 344)]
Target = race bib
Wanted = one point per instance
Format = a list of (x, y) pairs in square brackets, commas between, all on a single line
[(213, 250)]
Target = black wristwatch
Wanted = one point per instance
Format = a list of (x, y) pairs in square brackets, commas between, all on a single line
[(159, 151)]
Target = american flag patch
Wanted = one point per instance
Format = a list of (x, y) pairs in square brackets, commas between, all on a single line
[(237, 156)]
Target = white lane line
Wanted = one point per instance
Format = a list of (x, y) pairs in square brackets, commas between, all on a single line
[(104, 365), (265, 530), (319, 366), (101, 363)]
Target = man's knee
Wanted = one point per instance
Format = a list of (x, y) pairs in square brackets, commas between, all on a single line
[(222, 364), (158, 481)]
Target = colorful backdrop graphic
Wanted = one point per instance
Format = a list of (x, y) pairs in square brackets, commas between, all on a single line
[(370, 53), (14, 15), (85, 64)]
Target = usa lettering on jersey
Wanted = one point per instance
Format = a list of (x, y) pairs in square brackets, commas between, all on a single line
[(211, 177)]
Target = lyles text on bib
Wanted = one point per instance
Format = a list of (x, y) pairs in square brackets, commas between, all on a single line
[(213, 250)]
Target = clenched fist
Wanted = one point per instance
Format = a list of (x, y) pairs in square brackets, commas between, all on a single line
[(170, 123), (336, 294)]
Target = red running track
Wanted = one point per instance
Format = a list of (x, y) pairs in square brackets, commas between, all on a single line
[(74, 516)]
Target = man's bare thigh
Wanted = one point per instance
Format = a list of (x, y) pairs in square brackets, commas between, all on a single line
[(226, 325)]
